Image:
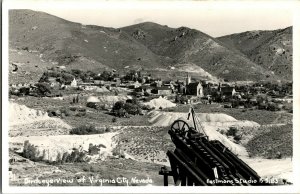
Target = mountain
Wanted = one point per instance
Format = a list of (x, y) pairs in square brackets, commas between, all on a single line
[(273, 50), (73, 44), (189, 47), (48, 41)]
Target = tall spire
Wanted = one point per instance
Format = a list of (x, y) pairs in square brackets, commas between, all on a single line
[(188, 79)]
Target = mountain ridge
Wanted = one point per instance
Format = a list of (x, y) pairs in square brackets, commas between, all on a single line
[(270, 49), (163, 51)]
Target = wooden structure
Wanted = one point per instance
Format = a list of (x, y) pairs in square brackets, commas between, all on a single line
[(197, 161)]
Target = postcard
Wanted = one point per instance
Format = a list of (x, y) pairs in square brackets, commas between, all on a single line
[(150, 96)]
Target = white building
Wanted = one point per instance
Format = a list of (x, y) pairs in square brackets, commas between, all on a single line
[(74, 83)]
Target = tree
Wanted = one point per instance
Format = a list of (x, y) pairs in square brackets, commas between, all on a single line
[(76, 72), (64, 157), (67, 78), (133, 109), (31, 152), (132, 75), (74, 155), (184, 99), (121, 112), (44, 78), (43, 89), (118, 105), (135, 100), (77, 98), (237, 138), (114, 120), (177, 98), (231, 131), (93, 149), (105, 75), (91, 74), (24, 91), (58, 158)]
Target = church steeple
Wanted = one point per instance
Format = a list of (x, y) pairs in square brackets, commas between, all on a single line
[(188, 79)]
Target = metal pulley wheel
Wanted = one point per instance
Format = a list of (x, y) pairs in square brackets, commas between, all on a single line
[(180, 126)]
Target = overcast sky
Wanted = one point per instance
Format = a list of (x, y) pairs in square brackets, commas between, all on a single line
[(213, 18)]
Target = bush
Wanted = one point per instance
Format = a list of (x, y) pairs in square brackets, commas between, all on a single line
[(77, 156), (81, 110), (31, 152), (64, 157), (278, 155), (91, 105), (72, 157), (76, 72), (222, 131), (121, 113), (65, 111), (43, 89), (114, 119), (58, 158), (85, 130), (85, 169), (67, 78), (107, 129), (231, 131), (146, 107), (50, 114), (73, 108), (131, 107), (93, 149), (237, 138), (118, 105), (24, 91)]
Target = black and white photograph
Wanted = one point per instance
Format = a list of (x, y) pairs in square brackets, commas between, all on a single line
[(149, 96)]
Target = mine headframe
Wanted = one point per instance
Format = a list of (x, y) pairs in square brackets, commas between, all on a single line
[(198, 161)]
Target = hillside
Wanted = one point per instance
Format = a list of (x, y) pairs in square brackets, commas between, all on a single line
[(273, 50), (68, 43), (165, 52), (272, 140), (191, 47)]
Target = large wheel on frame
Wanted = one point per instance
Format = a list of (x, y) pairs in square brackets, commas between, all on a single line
[(181, 127)]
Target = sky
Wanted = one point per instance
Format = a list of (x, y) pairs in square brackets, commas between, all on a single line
[(211, 17)]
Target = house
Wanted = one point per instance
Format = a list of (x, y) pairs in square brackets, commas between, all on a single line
[(144, 88), (194, 89), (169, 84), (162, 91), (74, 83), (98, 82), (134, 85), (158, 83), (227, 91), (117, 80)]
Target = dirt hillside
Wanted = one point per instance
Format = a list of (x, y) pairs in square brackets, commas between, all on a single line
[(25, 121), (146, 46), (272, 50)]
